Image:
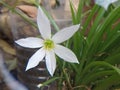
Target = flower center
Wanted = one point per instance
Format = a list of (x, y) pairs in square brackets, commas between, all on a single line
[(48, 44)]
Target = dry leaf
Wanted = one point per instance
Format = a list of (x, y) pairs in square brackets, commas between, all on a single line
[(14, 3), (11, 64), (6, 47), (4, 26), (31, 11)]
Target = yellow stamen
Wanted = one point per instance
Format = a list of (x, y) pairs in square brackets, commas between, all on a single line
[(48, 44)]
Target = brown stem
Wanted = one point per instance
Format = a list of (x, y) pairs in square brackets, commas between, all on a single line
[(87, 88)]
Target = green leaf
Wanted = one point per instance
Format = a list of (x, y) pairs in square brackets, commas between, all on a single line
[(79, 11), (107, 83), (96, 23), (100, 63), (97, 37), (94, 76), (73, 13), (90, 16)]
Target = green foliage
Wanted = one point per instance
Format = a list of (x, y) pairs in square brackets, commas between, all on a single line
[(98, 51)]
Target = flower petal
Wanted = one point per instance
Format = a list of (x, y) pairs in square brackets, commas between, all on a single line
[(65, 34), (30, 42), (51, 62), (36, 58), (105, 3), (43, 24), (65, 54)]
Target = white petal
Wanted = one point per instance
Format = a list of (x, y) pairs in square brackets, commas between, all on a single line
[(30, 42), (43, 24), (65, 54), (112, 1), (65, 34), (36, 58), (105, 3), (51, 62)]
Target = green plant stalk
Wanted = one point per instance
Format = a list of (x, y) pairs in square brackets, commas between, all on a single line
[(60, 82), (68, 80), (78, 78)]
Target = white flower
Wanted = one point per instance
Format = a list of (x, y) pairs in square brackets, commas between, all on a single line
[(49, 46), (105, 3)]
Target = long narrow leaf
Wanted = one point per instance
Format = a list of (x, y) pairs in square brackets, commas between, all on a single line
[(107, 83), (100, 63), (73, 12)]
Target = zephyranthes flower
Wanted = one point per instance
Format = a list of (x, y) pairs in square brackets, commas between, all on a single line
[(49, 45), (105, 3)]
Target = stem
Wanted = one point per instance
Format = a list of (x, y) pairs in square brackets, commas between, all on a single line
[(78, 78), (82, 86), (60, 88), (67, 78)]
